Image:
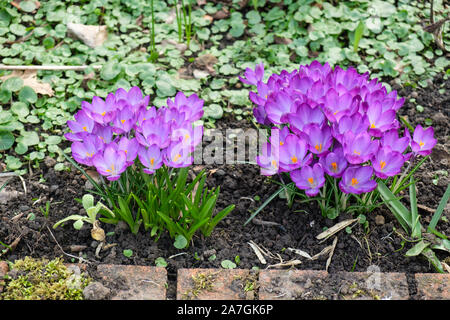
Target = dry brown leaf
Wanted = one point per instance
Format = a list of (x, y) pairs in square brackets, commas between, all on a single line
[(207, 62), (336, 228), (446, 266), (257, 252), (290, 263), (92, 36), (97, 233), (30, 79)]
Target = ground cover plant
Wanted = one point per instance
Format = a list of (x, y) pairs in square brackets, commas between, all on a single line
[(202, 47), (145, 152), (336, 134)]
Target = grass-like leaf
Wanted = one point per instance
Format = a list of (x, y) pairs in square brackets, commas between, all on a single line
[(401, 213)]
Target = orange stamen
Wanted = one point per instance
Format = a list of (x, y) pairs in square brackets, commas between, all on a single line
[(334, 166)]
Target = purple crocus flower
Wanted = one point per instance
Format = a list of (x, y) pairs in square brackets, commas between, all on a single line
[(423, 142), (278, 106), (336, 106), (173, 117), (124, 121), (130, 147), (154, 131), (151, 158), (82, 126), (177, 155), (315, 70), (355, 123), (133, 98), (260, 115), (260, 98), (359, 148), (188, 136), (278, 136), (319, 138), (105, 133), (84, 151), (380, 121), (252, 77), (303, 116), (293, 153), (111, 163), (392, 140), (334, 163), (357, 180), (269, 159), (309, 179), (387, 163), (191, 106), (101, 111), (145, 114)]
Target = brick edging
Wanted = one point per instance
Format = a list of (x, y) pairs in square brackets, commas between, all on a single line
[(151, 283)]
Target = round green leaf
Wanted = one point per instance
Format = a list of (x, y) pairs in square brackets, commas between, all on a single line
[(27, 94), (228, 264), (214, 111), (180, 242), (6, 140), (161, 262), (48, 43), (5, 116), (110, 70), (53, 140), (17, 29), (21, 148), (127, 253), (164, 89), (5, 18), (12, 84), (27, 6), (29, 138), (20, 108), (59, 166), (13, 163), (78, 224), (5, 95)]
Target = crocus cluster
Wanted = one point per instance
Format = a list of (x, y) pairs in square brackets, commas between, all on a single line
[(333, 122), (111, 134)]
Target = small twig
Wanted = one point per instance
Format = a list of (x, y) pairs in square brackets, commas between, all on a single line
[(13, 174), (264, 223), (421, 206), (176, 255), (151, 281), (81, 259), (47, 67), (432, 11), (331, 253), (8, 174)]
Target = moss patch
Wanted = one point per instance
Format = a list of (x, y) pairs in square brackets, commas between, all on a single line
[(41, 279)]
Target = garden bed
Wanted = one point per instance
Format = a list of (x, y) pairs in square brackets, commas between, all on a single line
[(276, 228), (26, 225)]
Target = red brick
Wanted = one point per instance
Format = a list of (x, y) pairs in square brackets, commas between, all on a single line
[(320, 285), (216, 284), (3, 271), (288, 284), (433, 286), (134, 282)]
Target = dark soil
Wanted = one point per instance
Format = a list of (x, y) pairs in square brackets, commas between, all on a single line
[(297, 227)]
